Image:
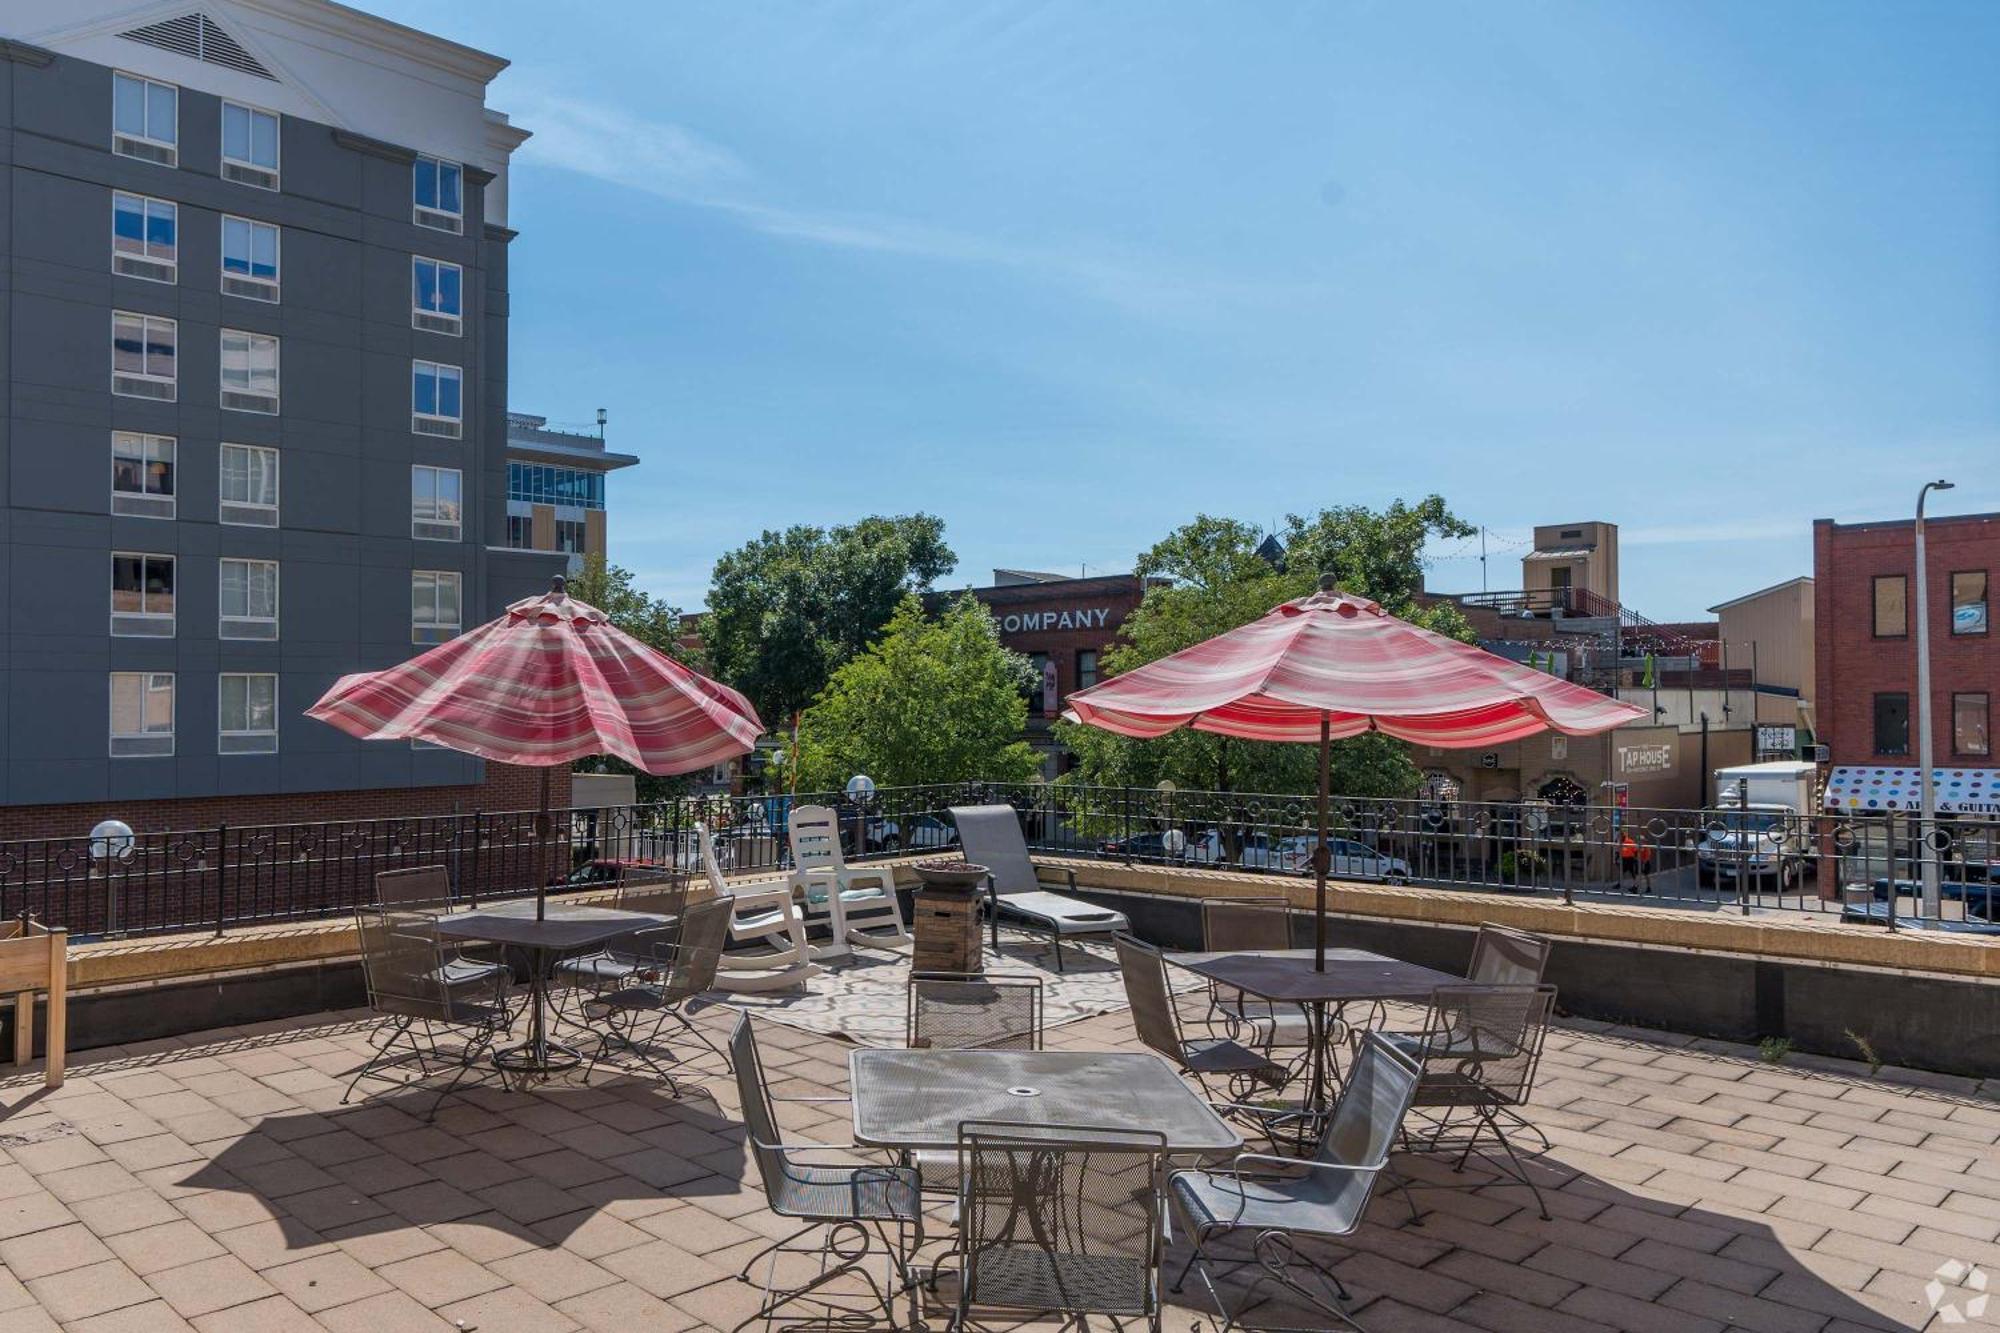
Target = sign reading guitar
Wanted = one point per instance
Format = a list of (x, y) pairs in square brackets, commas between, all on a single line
[(1086, 617)]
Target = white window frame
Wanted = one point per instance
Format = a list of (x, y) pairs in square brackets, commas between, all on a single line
[(248, 285), (437, 321), (436, 423), (143, 624), (142, 264), (135, 379), (246, 172), (246, 397), (438, 219), (248, 740), (247, 513), (142, 503), (432, 526), (148, 747), (261, 628), (436, 631), (145, 147)]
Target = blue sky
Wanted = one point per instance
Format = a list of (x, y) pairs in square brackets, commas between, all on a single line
[(1067, 274)]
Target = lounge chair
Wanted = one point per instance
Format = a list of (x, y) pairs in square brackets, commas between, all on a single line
[(990, 835)]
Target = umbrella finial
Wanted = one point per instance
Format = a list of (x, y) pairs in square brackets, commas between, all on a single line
[(1328, 582), (559, 586)]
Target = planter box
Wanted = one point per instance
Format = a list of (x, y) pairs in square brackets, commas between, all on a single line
[(34, 958)]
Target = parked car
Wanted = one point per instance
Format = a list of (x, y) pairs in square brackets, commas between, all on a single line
[(1759, 841), (1350, 859), (921, 833), (1203, 848)]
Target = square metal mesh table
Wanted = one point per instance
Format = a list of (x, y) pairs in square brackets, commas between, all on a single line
[(917, 1099), (1288, 975)]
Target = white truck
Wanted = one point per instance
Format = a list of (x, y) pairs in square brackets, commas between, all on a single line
[(1759, 826)]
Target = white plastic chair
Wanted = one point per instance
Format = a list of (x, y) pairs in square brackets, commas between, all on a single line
[(859, 904), (763, 914)]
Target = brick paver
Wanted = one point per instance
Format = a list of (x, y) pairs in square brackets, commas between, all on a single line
[(216, 1182)]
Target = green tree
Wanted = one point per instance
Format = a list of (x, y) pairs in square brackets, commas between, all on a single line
[(1217, 580), (929, 701), (787, 610)]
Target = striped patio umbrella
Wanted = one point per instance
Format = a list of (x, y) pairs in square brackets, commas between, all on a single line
[(1333, 665), (550, 682)]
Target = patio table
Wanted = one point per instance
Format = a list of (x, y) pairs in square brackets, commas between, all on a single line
[(1287, 976), (915, 1100), (565, 928)]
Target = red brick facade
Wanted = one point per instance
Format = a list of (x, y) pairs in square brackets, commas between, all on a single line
[(1855, 664), (506, 788)]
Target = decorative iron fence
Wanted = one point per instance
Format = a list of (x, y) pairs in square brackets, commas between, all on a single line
[(1747, 860)]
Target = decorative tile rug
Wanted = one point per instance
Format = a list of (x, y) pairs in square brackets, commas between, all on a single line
[(862, 998)]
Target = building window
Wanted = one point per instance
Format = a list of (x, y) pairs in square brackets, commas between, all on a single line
[(142, 475), (1086, 668), (1892, 606), (436, 508), (521, 532), (437, 194), (145, 237), (570, 535), (249, 599), (1971, 733), (1968, 602), (1038, 698), (541, 483), (142, 714), (435, 408), (249, 259), (143, 356), (436, 295), (1892, 723), (142, 595), (249, 371), (246, 711), (248, 486), (249, 146), (145, 119), (434, 605)]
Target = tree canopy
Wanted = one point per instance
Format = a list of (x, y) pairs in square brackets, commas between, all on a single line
[(1216, 579), (786, 610), (929, 701)]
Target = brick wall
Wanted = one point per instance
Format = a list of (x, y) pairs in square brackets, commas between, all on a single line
[(1853, 665), (506, 787)]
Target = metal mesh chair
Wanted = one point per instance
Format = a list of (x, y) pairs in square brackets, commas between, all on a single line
[(1251, 925), (1059, 1218), (404, 967), (1327, 1201), (856, 1203), (1144, 969), (1503, 956), (428, 889), (634, 1015), (954, 1012), (618, 960), (1479, 1051)]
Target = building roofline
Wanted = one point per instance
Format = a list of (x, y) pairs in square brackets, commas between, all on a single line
[(1761, 592), (386, 34), (1930, 520), (600, 460)]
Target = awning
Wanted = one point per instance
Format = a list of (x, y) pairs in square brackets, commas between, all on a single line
[(1562, 553), (1859, 789)]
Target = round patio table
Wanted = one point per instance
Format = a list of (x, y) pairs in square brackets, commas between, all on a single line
[(565, 928)]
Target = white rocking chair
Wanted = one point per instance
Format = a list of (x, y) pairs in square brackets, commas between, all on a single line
[(765, 914), (859, 904)]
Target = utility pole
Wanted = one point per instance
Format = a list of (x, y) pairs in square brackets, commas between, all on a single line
[(1927, 823), (1482, 557)]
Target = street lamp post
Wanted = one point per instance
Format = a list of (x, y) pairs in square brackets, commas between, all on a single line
[(1927, 820)]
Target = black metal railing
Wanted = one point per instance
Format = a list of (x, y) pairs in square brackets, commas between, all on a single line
[(1867, 867)]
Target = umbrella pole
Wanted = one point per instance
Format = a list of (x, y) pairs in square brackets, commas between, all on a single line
[(1322, 855), (540, 860)]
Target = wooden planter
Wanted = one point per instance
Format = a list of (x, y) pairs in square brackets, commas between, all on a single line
[(35, 958)]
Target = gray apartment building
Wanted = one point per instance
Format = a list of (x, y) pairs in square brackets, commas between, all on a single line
[(255, 358)]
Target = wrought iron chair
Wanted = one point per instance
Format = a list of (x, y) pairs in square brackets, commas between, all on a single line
[(1158, 1022), (634, 1015), (404, 967), (1503, 956), (949, 1011), (1231, 925), (610, 966), (428, 889), (1059, 1218), (1279, 1200), (855, 1202), (1479, 1051)]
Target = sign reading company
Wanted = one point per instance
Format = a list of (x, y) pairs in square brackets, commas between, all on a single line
[(1031, 622)]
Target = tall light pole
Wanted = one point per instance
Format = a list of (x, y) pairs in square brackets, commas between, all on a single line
[(1927, 818)]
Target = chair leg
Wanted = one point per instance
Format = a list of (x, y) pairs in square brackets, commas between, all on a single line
[(703, 1038)]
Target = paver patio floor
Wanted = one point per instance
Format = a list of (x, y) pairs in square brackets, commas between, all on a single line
[(216, 1183)]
